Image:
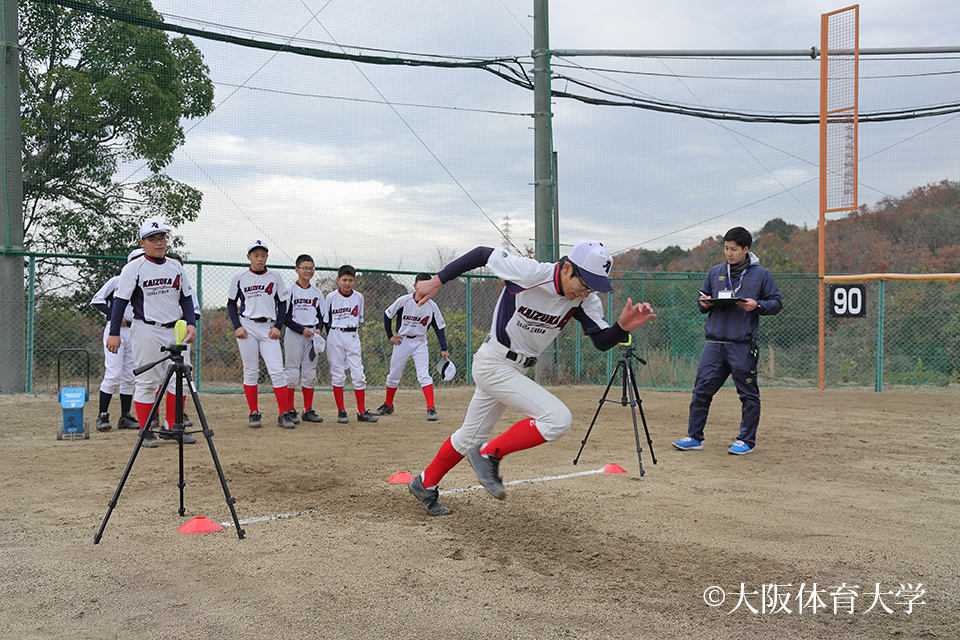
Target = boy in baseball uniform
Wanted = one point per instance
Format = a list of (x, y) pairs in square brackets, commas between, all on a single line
[(410, 341), (160, 294), (187, 422), (117, 367), (538, 300), (305, 319), (345, 313), (257, 304)]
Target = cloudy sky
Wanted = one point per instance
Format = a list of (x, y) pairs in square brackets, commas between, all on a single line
[(400, 167)]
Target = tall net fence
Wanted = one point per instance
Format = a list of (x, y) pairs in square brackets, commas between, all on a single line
[(395, 136), (910, 335)]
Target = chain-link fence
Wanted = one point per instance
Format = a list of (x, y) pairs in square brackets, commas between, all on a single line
[(910, 335)]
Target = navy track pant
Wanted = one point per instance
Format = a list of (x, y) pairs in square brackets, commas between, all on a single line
[(718, 361)]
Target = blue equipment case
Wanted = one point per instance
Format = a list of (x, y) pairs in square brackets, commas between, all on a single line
[(72, 401)]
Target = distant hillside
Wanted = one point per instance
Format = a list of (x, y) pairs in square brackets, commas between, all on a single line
[(918, 233)]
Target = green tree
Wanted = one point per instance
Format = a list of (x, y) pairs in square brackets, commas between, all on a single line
[(102, 101)]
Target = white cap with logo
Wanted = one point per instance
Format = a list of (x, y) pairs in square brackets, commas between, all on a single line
[(595, 264), (257, 244), (446, 369), (151, 227)]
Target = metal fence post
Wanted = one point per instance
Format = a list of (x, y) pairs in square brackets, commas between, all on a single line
[(198, 346), (878, 384), (31, 296), (469, 319)]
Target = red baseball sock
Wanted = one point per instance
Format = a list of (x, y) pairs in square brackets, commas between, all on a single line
[(522, 435), (143, 412), (307, 398), (338, 397), (447, 458), (171, 415), (282, 395), (292, 397), (428, 394), (391, 391), (250, 391), (361, 400)]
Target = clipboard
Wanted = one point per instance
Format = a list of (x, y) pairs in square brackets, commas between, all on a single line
[(723, 302)]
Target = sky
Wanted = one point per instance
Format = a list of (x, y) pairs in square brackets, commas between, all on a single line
[(401, 168)]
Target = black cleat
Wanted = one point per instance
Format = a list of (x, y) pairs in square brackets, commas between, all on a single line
[(127, 422), (103, 422), (488, 472), (285, 420), (155, 423), (293, 416), (432, 414), (150, 440), (255, 422), (311, 416), (383, 410), (342, 417), (174, 434), (428, 498), (187, 422), (366, 416)]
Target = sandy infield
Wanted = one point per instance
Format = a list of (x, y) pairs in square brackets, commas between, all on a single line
[(845, 490)]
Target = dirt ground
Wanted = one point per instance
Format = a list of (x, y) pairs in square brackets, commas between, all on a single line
[(846, 491)]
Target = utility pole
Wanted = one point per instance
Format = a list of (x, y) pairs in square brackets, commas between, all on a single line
[(13, 306), (546, 250), (545, 232)]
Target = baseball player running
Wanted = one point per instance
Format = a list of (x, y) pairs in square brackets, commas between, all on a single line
[(117, 367), (537, 301), (345, 312), (257, 304), (160, 294), (410, 341), (305, 319)]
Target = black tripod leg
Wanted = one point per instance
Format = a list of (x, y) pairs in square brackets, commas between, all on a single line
[(644, 420), (208, 434), (133, 457), (178, 426), (603, 399), (631, 387)]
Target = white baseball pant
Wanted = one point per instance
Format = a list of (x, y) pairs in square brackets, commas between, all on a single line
[(502, 383), (343, 352), (118, 367), (297, 356), (415, 348), (146, 340), (258, 345)]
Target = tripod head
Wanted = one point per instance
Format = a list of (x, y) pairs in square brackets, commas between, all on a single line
[(175, 353), (626, 347)]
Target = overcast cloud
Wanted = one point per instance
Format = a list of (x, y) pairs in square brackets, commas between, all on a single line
[(386, 167)]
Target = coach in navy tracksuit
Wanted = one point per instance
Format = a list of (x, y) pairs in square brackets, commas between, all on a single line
[(731, 347)]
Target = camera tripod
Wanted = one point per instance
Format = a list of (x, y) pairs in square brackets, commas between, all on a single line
[(629, 383), (181, 370)]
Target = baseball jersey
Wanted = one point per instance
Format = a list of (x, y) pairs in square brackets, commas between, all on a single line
[(413, 320), (103, 300), (257, 296), (158, 291), (532, 309), (305, 308), (344, 312)]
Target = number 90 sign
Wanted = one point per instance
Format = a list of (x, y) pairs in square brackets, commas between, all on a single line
[(848, 301)]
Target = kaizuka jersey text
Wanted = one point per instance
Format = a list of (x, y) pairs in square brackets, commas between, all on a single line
[(414, 320), (305, 306), (532, 309), (344, 311), (154, 289), (257, 294)]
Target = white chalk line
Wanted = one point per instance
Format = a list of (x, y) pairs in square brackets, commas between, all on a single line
[(506, 484), (293, 514)]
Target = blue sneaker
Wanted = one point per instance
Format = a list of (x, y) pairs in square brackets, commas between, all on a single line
[(739, 448), (688, 444)]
